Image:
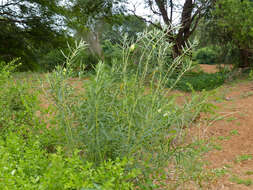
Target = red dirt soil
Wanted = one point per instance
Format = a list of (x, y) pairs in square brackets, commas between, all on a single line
[(237, 110)]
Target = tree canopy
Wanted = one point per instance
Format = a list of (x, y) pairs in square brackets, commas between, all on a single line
[(185, 14), (30, 28)]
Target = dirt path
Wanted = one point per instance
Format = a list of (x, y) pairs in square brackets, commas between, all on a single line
[(234, 135)]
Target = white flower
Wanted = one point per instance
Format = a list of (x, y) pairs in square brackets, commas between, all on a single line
[(160, 110)]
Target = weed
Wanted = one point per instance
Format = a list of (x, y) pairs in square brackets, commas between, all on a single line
[(247, 94), (243, 158), (217, 147), (201, 81), (234, 132), (220, 172), (238, 180), (229, 119), (228, 166), (223, 138), (249, 173)]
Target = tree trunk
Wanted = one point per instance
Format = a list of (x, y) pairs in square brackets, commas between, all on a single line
[(244, 55)]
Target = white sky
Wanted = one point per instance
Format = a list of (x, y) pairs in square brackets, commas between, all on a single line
[(139, 5), (142, 11)]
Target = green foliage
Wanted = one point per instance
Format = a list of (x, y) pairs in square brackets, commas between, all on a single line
[(124, 111), (236, 179), (30, 29), (205, 55), (201, 81), (6, 69), (50, 60), (25, 165), (16, 100), (242, 158), (25, 159), (237, 20), (112, 52), (229, 27)]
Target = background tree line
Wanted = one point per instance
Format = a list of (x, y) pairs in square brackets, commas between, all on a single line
[(37, 30)]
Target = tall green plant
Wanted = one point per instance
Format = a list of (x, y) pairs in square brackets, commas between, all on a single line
[(124, 110)]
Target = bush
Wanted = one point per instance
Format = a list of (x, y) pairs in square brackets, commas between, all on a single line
[(25, 165), (201, 81), (111, 52), (124, 111), (17, 101), (52, 59), (205, 55)]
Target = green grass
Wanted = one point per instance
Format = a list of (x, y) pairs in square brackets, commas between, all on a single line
[(234, 132), (201, 81), (249, 173), (236, 179), (229, 119), (242, 158), (223, 138)]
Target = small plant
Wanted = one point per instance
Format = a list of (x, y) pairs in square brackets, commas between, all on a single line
[(229, 119), (243, 158), (223, 138), (25, 165), (234, 132), (7, 68), (205, 55), (236, 179), (217, 147), (220, 172), (251, 74), (249, 173)]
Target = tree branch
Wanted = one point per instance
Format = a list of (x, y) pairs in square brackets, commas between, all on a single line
[(146, 20), (162, 9), (150, 3)]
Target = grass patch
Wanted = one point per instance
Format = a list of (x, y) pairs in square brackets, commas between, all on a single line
[(223, 138), (201, 81), (220, 172), (243, 158), (236, 179), (229, 119), (234, 132), (249, 173)]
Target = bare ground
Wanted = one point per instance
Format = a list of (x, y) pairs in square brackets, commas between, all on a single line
[(234, 133)]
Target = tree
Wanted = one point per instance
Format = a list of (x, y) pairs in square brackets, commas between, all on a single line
[(233, 23), (190, 13), (89, 20), (30, 28)]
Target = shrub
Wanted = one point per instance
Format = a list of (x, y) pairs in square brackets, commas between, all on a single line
[(124, 111), (111, 52), (52, 59), (205, 55), (17, 101), (201, 81), (25, 165)]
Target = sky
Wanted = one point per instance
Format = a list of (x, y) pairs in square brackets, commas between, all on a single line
[(142, 11), (139, 5)]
